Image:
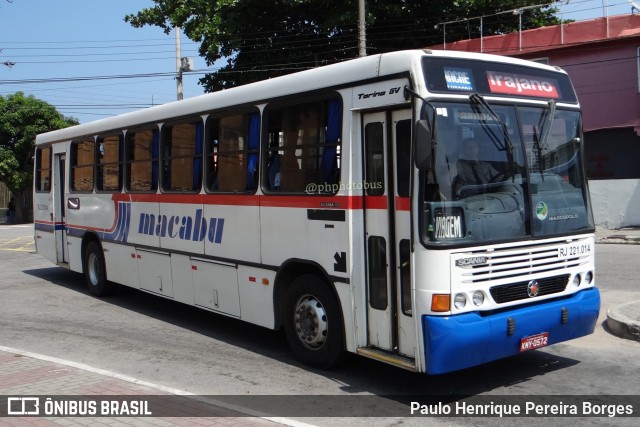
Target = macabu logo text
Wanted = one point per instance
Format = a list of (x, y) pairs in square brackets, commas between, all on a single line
[(184, 227)]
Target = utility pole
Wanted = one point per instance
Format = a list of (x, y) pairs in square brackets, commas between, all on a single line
[(178, 65), (362, 36), (519, 13)]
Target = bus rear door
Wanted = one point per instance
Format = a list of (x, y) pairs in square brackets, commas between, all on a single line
[(59, 207)]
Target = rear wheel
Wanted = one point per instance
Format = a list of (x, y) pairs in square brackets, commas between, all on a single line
[(94, 270), (313, 323)]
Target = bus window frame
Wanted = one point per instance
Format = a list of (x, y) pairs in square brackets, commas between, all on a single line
[(121, 161), (207, 165), (73, 165), (300, 99), (127, 160), (162, 158), (39, 168)]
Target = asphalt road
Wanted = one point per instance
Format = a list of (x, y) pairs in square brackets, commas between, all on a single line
[(46, 309)]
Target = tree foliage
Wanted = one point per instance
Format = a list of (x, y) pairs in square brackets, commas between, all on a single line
[(259, 39), (21, 119)]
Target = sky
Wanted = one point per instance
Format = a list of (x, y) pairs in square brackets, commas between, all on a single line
[(81, 57)]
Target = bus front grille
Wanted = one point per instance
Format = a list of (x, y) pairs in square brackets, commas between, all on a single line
[(513, 264), (520, 290)]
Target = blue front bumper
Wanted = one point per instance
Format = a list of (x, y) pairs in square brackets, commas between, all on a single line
[(465, 340)]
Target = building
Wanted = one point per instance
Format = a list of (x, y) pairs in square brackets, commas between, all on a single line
[(602, 56)]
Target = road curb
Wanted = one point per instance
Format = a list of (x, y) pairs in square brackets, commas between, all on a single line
[(624, 320)]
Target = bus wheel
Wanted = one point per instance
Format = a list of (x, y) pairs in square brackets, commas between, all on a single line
[(95, 273), (313, 323)]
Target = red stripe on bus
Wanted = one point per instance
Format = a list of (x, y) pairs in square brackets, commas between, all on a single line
[(403, 203), (308, 202), (312, 202), (316, 202), (375, 202), (272, 201)]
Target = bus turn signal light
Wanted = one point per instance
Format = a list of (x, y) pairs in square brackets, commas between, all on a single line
[(440, 302)]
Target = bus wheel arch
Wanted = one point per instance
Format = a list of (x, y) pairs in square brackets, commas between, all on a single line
[(308, 307), (94, 267)]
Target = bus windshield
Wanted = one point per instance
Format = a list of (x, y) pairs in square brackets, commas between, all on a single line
[(503, 172)]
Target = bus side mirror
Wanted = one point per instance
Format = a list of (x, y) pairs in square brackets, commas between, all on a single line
[(424, 145)]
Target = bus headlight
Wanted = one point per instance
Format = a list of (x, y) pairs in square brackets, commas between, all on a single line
[(576, 280), (588, 278), (477, 298), (460, 301)]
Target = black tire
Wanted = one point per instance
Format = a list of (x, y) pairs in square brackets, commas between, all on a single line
[(313, 323), (94, 270)]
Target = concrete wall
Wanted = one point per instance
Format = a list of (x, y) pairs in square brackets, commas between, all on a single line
[(616, 202)]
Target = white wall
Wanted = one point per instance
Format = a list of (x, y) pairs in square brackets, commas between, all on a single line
[(616, 202)]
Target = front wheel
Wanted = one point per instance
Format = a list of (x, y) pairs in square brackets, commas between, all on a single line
[(313, 323), (94, 270)]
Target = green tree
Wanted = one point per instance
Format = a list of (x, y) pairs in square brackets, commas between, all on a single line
[(21, 119), (259, 40)]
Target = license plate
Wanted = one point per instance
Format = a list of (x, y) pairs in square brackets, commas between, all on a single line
[(534, 341), (574, 250)]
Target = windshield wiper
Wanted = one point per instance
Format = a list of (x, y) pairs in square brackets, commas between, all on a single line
[(540, 140), (478, 100), (545, 130), (548, 116)]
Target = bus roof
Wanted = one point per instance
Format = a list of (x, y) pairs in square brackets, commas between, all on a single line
[(334, 75)]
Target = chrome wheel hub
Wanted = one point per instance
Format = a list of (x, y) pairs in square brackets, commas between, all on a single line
[(310, 322)]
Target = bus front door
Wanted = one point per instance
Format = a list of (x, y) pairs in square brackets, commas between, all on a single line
[(386, 143), (59, 206)]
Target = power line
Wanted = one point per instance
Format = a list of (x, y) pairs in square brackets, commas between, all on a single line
[(252, 40), (86, 78), (96, 61), (395, 28), (264, 67)]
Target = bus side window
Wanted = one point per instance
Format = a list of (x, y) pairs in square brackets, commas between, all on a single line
[(142, 160), (82, 165), (43, 169), (232, 153), (303, 147), (182, 156), (109, 173)]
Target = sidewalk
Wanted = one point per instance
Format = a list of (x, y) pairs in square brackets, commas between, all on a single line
[(623, 320), (24, 374), (627, 235)]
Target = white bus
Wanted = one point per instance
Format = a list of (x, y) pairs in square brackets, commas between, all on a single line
[(426, 209)]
